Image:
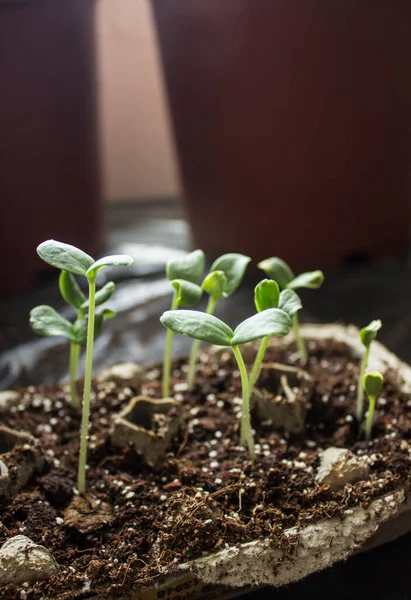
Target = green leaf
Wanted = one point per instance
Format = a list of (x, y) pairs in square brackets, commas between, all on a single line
[(233, 266), (369, 333), (44, 320), (189, 267), (199, 326), (272, 321), (80, 330), (70, 290), (116, 260), (102, 295), (277, 269), (266, 295), (214, 284), (312, 280), (290, 302), (80, 326), (65, 257), (373, 383), (187, 293), (106, 313)]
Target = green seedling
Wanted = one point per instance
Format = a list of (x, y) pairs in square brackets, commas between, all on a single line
[(207, 328), (75, 261), (223, 279), (372, 383), (277, 269), (367, 335), (45, 321), (267, 295), (184, 275)]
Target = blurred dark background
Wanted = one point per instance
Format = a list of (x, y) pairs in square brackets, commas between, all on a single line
[(269, 127)]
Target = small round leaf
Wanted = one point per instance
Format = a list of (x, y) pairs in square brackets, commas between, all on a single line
[(312, 280), (373, 383), (102, 295), (233, 266), (189, 267), (80, 326), (199, 326), (275, 268), (369, 333), (116, 260), (46, 321), (290, 302), (214, 284), (272, 321), (65, 257), (266, 295), (70, 290), (187, 293)]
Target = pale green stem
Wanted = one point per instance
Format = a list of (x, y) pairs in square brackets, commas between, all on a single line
[(167, 354), (255, 371), (192, 364), (299, 340), (87, 387), (370, 418), (246, 435), (74, 356), (360, 388)]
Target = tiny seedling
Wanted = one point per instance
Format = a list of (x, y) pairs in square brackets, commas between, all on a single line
[(267, 295), (45, 321), (69, 258), (277, 269), (372, 383), (223, 279), (367, 335), (184, 275), (207, 328)]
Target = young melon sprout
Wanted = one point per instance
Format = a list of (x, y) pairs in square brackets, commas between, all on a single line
[(267, 295), (75, 261), (367, 335), (277, 269), (44, 320), (223, 279), (372, 383), (184, 275), (207, 328)]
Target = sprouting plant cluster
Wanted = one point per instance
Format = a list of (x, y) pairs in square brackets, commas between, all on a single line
[(46, 321), (185, 274), (276, 302)]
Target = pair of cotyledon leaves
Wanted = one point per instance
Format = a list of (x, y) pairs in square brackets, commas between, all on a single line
[(274, 318), (71, 260), (224, 277), (277, 269)]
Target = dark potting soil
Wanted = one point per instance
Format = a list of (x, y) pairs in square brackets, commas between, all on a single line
[(136, 523)]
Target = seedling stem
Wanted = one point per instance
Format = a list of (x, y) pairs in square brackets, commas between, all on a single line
[(167, 353), (302, 349), (246, 436), (196, 346), (87, 385), (360, 388), (255, 371), (74, 358), (370, 418)]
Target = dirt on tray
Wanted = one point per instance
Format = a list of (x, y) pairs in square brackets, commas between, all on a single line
[(136, 524)]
